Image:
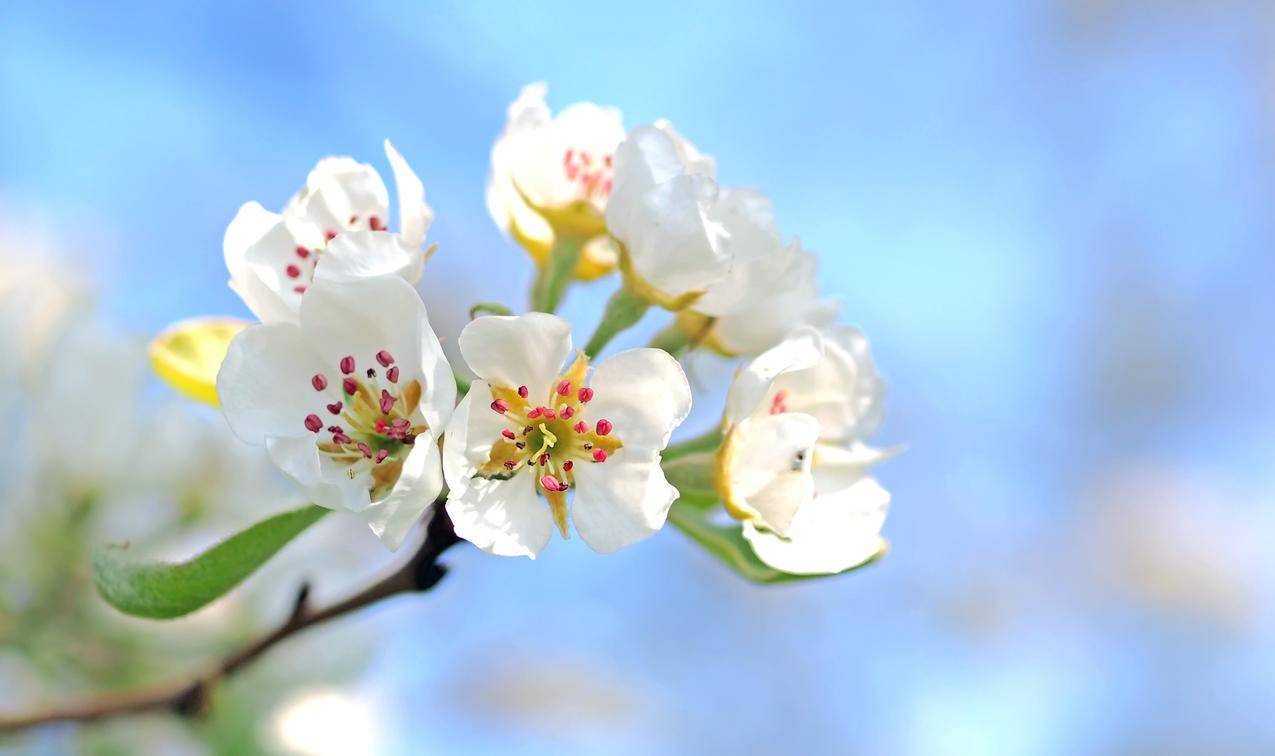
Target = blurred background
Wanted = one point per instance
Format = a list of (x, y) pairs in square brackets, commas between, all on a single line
[(1052, 219)]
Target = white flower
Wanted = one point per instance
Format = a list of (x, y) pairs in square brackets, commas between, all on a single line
[(525, 427), (350, 401), (273, 258), (666, 210), (547, 168), (792, 466), (770, 289)]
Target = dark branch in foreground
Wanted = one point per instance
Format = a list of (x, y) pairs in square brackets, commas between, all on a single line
[(190, 697)]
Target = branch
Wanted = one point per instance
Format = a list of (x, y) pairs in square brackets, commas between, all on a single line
[(190, 697)]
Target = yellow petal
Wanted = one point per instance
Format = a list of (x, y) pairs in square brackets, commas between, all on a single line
[(188, 355)]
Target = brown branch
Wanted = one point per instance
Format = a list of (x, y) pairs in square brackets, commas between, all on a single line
[(190, 697)]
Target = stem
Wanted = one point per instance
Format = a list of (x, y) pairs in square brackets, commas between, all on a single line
[(671, 339), (623, 310), (708, 442), (190, 697), (552, 279), (694, 476)]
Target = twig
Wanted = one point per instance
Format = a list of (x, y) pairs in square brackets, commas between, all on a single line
[(190, 697)]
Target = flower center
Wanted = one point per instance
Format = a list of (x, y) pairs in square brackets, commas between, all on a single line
[(549, 437), (590, 173), (374, 423)]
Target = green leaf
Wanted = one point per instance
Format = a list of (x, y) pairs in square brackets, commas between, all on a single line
[(163, 590), (727, 543)]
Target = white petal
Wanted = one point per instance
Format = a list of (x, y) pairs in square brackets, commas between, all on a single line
[(842, 389), (415, 215), (838, 530), (366, 254), (264, 383), (249, 224), (338, 189), (502, 517), (262, 280), (759, 257), (505, 518), (523, 350), (393, 517), (661, 208), (769, 467), (621, 501), (361, 317), (324, 482), (748, 392), (645, 395)]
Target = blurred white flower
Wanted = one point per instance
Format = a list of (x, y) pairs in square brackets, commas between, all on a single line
[(792, 466), (552, 174), (522, 428), (350, 401), (273, 258), (323, 722)]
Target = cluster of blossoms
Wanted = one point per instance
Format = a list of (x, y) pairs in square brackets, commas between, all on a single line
[(345, 383)]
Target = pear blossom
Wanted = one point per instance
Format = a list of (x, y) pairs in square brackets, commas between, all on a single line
[(770, 289), (274, 257), (792, 465), (529, 428), (349, 401), (666, 209), (552, 175)]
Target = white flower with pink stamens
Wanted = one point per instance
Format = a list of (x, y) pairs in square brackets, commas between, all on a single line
[(274, 257), (350, 401), (545, 168), (793, 463), (530, 428)]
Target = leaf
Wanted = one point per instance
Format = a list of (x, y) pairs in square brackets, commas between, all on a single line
[(727, 543), (188, 354), (163, 590)]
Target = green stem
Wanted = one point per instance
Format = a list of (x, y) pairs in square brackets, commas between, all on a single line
[(707, 442), (693, 475), (552, 280), (624, 309), (671, 339)]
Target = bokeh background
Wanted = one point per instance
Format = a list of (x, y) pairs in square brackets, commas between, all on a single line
[(1052, 219)]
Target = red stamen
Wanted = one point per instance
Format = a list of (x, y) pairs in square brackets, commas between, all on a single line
[(585, 394), (568, 465), (374, 223), (367, 450), (500, 405), (522, 391), (387, 402), (330, 234), (508, 434), (599, 455), (580, 427), (313, 423), (302, 252), (319, 382), (564, 388), (535, 413), (347, 364), (335, 408), (567, 412), (384, 358), (350, 386), (392, 374), (603, 427), (544, 459), (381, 455)]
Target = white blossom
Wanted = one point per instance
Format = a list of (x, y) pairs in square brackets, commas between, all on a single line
[(529, 428), (274, 257), (549, 170), (350, 401), (793, 465)]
